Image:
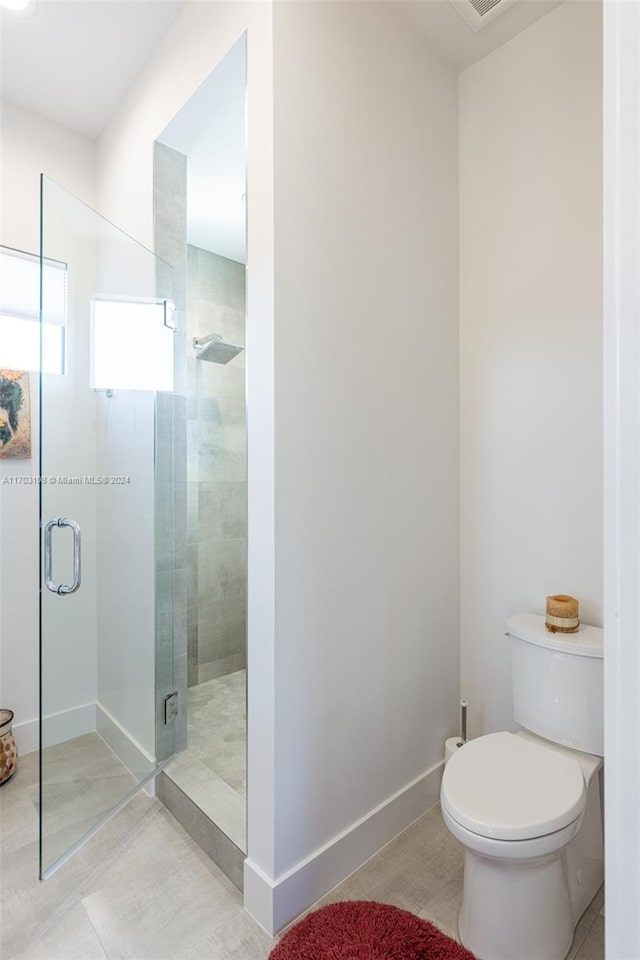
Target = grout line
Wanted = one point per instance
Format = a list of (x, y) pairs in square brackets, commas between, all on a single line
[(42, 925), (580, 945), (92, 925), (212, 933), (586, 937)]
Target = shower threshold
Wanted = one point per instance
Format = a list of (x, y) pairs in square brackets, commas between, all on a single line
[(204, 786)]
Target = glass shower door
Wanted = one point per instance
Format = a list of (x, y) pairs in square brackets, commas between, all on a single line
[(106, 665)]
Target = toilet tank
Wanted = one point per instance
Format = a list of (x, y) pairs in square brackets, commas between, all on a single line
[(557, 682)]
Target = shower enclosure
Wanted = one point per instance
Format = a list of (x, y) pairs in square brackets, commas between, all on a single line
[(210, 768), (200, 227), (106, 513)]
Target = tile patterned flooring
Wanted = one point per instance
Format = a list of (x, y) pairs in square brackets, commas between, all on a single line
[(212, 771), (84, 780), (217, 734), (142, 889)]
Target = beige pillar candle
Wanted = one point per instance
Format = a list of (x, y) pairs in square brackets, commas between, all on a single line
[(562, 614)]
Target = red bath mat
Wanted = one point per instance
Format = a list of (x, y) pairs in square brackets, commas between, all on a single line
[(360, 930)]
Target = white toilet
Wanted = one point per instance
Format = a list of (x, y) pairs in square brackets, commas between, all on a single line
[(527, 806)]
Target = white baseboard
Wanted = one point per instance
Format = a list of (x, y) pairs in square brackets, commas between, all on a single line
[(131, 753), (275, 903), (58, 727), (88, 718)]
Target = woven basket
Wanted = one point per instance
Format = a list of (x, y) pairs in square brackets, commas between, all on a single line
[(8, 749)]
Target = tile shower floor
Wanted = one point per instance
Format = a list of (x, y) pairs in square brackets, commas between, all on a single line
[(142, 889), (212, 771)]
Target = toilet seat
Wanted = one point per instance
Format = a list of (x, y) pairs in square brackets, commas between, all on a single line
[(505, 787), (512, 850)]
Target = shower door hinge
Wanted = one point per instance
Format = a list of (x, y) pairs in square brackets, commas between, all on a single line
[(170, 315), (170, 707)]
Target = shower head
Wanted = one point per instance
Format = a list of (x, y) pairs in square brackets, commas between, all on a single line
[(215, 349)]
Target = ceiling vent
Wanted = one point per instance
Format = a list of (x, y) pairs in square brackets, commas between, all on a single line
[(478, 13)]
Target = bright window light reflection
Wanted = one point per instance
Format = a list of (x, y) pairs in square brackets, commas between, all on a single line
[(20, 312), (132, 349)]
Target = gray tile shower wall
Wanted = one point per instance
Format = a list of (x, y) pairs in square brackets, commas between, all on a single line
[(216, 471)]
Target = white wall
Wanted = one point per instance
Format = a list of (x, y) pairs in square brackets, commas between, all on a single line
[(622, 475), (126, 668), (366, 417), (31, 145), (530, 340)]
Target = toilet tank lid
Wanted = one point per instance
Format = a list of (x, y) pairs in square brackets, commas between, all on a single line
[(587, 641)]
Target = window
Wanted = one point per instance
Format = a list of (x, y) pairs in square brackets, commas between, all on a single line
[(20, 312), (132, 345)]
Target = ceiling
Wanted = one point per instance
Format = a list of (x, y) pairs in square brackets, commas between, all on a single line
[(74, 60), (210, 131), (445, 30)]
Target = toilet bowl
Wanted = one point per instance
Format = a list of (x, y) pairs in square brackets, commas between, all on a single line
[(519, 805), (527, 808)]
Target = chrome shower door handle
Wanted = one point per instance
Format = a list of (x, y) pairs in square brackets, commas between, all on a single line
[(61, 588)]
